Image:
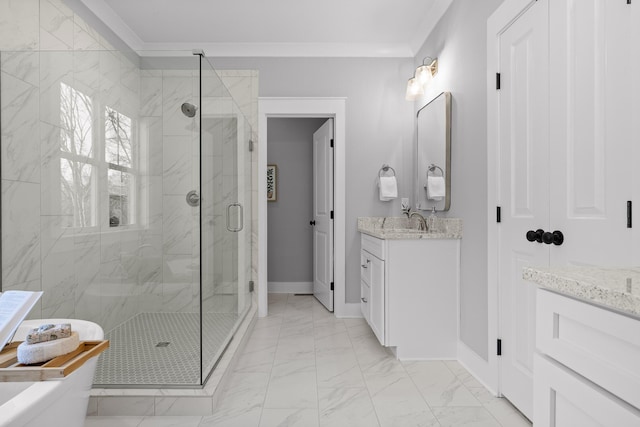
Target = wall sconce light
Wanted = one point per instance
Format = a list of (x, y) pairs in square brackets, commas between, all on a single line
[(421, 78)]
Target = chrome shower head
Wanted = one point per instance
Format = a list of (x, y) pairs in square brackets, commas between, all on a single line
[(189, 110)]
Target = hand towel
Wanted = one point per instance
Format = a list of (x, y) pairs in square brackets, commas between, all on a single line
[(436, 189), (388, 188), (35, 353)]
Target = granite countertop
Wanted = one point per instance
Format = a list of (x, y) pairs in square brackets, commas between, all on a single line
[(397, 228), (615, 288)]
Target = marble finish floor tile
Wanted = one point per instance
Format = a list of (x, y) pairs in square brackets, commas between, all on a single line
[(304, 367)]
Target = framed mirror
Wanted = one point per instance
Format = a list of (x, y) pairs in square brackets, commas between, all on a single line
[(433, 156)]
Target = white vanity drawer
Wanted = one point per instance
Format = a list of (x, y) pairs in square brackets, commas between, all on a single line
[(599, 344), (565, 399), (373, 246)]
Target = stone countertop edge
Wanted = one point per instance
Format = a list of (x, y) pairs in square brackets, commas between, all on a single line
[(604, 286), (388, 228)]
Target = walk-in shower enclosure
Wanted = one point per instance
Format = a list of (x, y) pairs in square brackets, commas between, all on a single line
[(125, 210)]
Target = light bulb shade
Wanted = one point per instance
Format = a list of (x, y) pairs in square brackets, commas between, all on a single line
[(414, 89), (424, 75)]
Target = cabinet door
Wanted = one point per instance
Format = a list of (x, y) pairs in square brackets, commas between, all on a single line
[(377, 302), (365, 296), (365, 266), (591, 128), (565, 399)]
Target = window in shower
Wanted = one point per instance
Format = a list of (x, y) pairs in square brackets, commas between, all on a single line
[(121, 173), (85, 167), (78, 163)]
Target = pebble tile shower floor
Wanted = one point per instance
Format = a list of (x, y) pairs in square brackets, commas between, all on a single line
[(140, 356)]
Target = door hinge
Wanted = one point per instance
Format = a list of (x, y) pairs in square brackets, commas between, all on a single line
[(497, 81), (331, 142), (499, 348), (498, 214), (250, 145), (331, 214), (331, 285), (629, 214), (251, 286)]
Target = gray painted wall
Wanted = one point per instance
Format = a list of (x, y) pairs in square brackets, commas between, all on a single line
[(379, 127), (290, 235), (459, 42)]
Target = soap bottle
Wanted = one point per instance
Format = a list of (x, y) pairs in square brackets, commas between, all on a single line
[(431, 221)]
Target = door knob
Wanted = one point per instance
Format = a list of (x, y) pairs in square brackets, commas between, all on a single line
[(535, 236), (312, 223), (556, 238)]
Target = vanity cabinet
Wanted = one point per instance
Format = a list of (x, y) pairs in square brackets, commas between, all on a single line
[(586, 368), (409, 294)]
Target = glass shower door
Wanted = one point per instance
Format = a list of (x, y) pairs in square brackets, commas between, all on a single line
[(225, 218)]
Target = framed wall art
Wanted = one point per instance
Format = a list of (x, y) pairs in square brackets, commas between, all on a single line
[(272, 183)]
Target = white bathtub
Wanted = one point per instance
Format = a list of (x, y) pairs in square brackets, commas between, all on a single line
[(53, 403)]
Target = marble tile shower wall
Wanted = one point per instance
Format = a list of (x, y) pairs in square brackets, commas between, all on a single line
[(106, 276), (96, 273), (48, 54)]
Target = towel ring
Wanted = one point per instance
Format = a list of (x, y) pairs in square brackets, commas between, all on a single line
[(384, 169), (432, 168)]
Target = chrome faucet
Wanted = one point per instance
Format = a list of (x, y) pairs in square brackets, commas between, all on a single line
[(423, 222)]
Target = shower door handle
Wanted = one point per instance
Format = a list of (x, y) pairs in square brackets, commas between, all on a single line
[(241, 225)]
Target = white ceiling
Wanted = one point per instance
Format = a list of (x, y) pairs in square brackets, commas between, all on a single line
[(359, 28)]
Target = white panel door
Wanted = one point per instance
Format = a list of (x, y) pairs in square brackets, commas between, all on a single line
[(591, 130), (635, 121), (523, 194), (322, 208)]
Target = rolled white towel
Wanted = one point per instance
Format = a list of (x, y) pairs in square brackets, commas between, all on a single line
[(29, 354), (388, 188), (436, 189)]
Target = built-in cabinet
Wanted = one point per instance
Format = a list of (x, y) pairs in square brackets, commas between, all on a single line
[(409, 294), (586, 365)]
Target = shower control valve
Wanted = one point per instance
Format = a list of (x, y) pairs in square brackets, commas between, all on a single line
[(193, 198)]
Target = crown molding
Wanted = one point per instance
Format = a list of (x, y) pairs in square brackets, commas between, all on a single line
[(106, 14), (333, 50), (431, 19)]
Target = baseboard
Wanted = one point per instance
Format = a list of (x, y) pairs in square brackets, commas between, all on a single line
[(290, 287), (348, 311), (478, 367)]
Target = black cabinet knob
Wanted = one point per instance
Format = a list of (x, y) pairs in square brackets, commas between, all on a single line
[(547, 237), (535, 236), (558, 237), (312, 223)]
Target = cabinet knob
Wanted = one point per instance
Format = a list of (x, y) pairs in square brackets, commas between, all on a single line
[(312, 222), (365, 265), (363, 300)]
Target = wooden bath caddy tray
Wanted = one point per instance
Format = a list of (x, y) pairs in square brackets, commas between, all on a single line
[(59, 367)]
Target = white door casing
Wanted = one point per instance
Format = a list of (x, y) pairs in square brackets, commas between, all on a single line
[(591, 130), (523, 194), (307, 107), (322, 214)]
